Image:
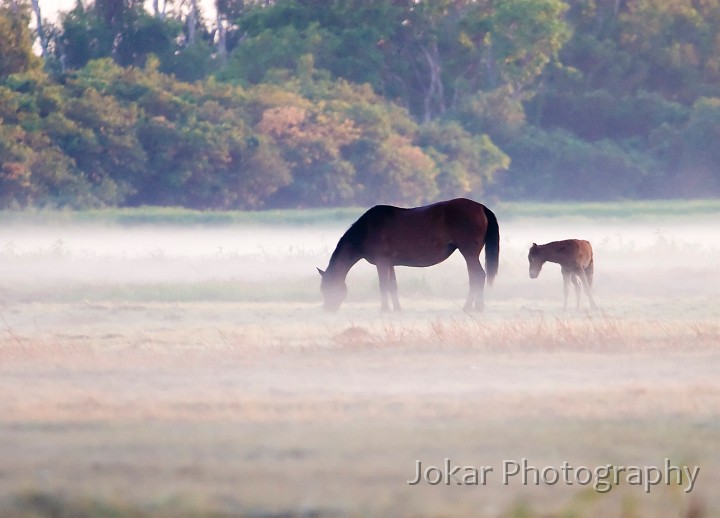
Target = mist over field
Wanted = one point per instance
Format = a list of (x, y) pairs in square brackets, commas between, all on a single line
[(655, 257), (164, 369)]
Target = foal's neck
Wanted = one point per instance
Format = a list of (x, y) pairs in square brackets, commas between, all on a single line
[(554, 256)]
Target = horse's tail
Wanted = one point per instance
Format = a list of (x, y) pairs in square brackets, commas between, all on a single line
[(492, 245)]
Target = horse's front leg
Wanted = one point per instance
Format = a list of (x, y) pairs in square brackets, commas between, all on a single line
[(393, 289), (384, 278)]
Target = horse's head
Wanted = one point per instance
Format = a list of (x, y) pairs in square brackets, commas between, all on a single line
[(536, 261), (334, 291)]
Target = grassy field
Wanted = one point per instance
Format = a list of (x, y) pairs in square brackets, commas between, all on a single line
[(171, 363), (512, 210)]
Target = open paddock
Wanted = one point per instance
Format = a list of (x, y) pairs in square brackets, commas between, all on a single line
[(162, 369)]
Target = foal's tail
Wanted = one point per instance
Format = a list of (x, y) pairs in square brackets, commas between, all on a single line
[(492, 245), (589, 269)]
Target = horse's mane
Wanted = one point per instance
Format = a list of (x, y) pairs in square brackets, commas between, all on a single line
[(354, 237)]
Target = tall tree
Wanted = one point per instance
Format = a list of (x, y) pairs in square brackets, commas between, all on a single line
[(427, 55), (192, 21), (40, 28), (16, 54), (675, 45), (121, 29)]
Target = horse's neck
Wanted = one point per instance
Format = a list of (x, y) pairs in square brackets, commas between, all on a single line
[(342, 260)]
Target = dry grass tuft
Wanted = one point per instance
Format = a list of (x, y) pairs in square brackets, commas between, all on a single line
[(540, 334), (355, 336)]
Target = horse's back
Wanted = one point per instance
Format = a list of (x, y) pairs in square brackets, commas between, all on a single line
[(463, 206), (461, 215), (420, 236), (455, 218)]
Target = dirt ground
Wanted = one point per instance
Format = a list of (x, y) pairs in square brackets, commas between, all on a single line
[(154, 371)]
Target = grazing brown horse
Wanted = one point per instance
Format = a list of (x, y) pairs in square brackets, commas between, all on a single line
[(575, 257), (389, 236)]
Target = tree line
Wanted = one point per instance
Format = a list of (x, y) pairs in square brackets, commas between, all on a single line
[(299, 103)]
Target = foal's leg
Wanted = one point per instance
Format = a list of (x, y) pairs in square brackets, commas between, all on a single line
[(566, 287), (476, 276), (393, 289), (384, 278), (588, 290), (576, 281)]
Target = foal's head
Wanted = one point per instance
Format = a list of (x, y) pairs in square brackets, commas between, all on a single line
[(536, 260), (334, 291)]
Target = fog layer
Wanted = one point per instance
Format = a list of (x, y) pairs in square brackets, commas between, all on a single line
[(632, 258)]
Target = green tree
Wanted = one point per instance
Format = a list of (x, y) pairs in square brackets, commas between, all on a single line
[(312, 137), (122, 30), (36, 170), (188, 144), (556, 165), (270, 50), (699, 167), (466, 163), (429, 56), (16, 53), (627, 81), (675, 45)]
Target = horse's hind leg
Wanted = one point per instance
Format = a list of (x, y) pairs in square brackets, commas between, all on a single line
[(392, 284), (476, 276)]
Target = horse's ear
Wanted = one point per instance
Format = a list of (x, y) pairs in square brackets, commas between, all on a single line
[(534, 245), (320, 271)]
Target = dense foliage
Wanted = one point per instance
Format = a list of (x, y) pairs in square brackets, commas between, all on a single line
[(291, 103)]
